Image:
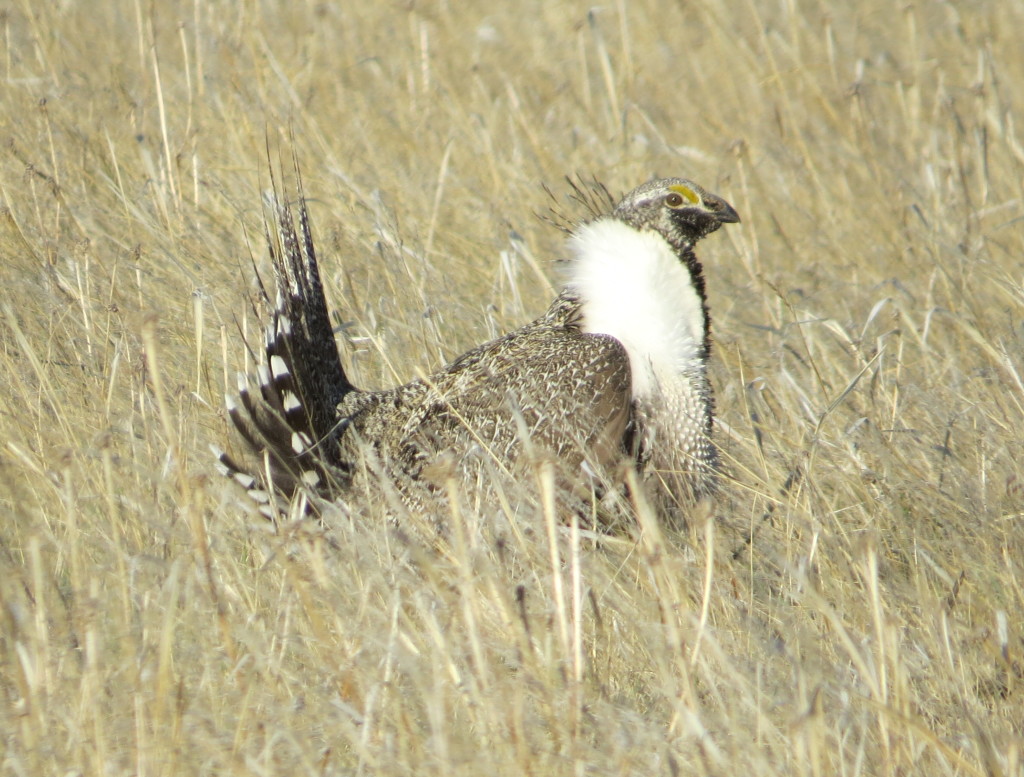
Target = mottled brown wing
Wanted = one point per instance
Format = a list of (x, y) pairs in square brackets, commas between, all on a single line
[(553, 390)]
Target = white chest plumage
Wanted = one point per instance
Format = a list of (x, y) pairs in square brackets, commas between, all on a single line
[(633, 287)]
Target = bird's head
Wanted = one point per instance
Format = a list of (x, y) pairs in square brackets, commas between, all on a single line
[(679, 210)]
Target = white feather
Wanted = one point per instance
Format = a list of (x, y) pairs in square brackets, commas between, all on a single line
[(634, 288)]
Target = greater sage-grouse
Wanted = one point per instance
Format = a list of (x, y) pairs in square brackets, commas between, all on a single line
[(615, 371)]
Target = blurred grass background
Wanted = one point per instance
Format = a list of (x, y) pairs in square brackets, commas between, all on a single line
[(869, 329)]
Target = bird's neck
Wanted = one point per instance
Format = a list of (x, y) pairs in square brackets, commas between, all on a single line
[(634, 286)]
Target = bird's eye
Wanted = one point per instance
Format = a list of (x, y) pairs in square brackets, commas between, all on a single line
[(680, 195)]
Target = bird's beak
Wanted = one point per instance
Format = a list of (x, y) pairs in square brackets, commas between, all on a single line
[(724, 212)]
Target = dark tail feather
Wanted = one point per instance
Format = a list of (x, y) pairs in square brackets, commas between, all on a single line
[(292, 421), (301, 334)]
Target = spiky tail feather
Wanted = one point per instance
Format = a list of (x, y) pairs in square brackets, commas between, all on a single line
[(291, 422)]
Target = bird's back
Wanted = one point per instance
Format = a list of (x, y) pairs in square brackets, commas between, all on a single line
[(546, 390)]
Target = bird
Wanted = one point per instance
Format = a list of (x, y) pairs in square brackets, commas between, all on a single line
[(613, 373)]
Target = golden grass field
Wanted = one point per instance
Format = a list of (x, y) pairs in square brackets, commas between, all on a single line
[(869, 348)]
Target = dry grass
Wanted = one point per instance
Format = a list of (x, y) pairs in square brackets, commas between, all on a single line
[(869, 337)]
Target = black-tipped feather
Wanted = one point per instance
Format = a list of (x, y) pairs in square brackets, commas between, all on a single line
[(292, 417), (303, 334)]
